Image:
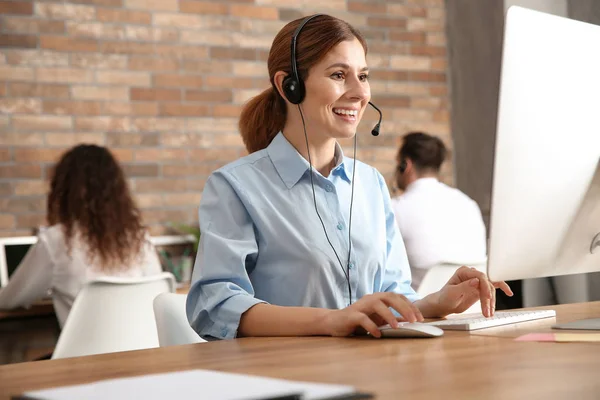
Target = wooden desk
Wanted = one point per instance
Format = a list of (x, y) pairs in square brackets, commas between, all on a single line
[(456, 366)]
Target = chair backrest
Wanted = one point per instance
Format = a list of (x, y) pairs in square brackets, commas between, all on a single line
[(113, 314), (171, 321), (439, 275)]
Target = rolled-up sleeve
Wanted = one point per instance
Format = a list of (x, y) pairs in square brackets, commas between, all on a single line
[(221, 290), (397, 276)]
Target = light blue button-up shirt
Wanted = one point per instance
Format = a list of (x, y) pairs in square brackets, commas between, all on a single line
[(263, 242)]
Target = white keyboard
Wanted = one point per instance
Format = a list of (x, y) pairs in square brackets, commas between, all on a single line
[(473, 321)]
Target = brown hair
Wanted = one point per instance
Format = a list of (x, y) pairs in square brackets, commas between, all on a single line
[(89, 197), (265, 115), (427, 152)]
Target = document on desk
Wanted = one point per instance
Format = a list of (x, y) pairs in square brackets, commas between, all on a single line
[(197, 384)]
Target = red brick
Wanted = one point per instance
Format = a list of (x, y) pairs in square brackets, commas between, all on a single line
[(183, 110), (65, 11), (122, 78), (182, 199), (123, 16), (41, 122), (201, 7), (99, 61), (226, 110), (208, 96), (64, 75), (37, 155), (427, 76), (20, 106), (16, 7), (18, 41), (39, 90), (403, 10), (160, 155), (177, 80), (228, 139), (153, 5), (183, 170), (94, 30), (102, 124), (122, 155), (393, 101), (230, 53), (132, 139), (389, 75), (369, 7), (202, 67), (108, 93), (153, 64), (164, 216), (411, 37), (37, 58), (65, 107), (215, 154), (5, 155), (71, 139), (126, 108), (31, 221), (149, 200), (26, 171), (383, 22), (141, 170), (30, 187), (183, 52), (127, 48), (11, 73), (247, 11), (438, 64), (155, 94), (184, 140), (217, 125), (32, 26), (428, 51), (21, 139), (7, 221), (162, 124), (5, 189), (160, 185), (228, 82), (108, 3)]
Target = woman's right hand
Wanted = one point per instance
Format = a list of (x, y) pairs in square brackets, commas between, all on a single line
[(370, 312)]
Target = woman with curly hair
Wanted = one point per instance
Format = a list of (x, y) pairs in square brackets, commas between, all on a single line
[(95, 230)]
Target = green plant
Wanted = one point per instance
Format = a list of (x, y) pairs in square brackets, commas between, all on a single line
[(193, 230)]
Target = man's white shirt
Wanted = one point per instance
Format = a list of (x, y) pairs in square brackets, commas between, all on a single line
[(439, 224)]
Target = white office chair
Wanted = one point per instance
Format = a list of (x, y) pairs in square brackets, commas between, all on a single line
[(113, 314), (438, 276), (171, 321)]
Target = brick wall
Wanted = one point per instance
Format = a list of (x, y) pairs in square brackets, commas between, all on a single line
[(162, 82)]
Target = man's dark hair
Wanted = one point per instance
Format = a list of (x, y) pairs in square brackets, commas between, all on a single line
[(427, 152)]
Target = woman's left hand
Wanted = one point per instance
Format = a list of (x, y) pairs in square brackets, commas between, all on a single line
[(466, 286)]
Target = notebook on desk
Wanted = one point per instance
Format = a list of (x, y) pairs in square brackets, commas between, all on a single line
[(198, 384)]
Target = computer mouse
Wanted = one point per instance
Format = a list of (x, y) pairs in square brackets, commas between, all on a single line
[(411, 330)]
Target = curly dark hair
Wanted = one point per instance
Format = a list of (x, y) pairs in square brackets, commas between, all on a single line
[(89, 196)]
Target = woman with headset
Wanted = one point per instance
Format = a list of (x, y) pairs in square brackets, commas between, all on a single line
[(281, 252)]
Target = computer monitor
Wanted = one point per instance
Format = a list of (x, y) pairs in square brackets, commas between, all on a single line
[(12, 252), (545, 209)]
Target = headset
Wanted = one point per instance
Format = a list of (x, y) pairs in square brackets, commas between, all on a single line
[(295, 91)]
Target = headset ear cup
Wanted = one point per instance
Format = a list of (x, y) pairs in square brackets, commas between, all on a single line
[(293, 90)]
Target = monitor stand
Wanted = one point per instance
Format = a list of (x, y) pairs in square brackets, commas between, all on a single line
[(584, 324)]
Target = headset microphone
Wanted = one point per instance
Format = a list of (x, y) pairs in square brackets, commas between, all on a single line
[(375, 131)]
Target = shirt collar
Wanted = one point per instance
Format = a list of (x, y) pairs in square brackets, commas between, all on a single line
[(291, 166)]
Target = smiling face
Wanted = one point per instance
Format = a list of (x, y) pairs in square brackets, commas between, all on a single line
[(337, 91)]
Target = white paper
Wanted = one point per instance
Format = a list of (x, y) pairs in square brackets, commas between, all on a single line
[(193, 385)]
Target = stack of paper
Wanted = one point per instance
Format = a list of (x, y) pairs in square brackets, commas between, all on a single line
[(194, 385)]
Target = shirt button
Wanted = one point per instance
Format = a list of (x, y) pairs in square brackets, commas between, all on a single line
[(351, 265), (329, 188), (340, 226), (224, 332)]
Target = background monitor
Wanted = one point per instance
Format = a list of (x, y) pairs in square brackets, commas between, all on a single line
[(545, 210)]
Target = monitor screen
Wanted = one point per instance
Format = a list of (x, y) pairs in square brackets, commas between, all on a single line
[(15, 253)]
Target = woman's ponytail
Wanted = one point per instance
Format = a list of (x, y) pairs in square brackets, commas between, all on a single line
[(261, 119)]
